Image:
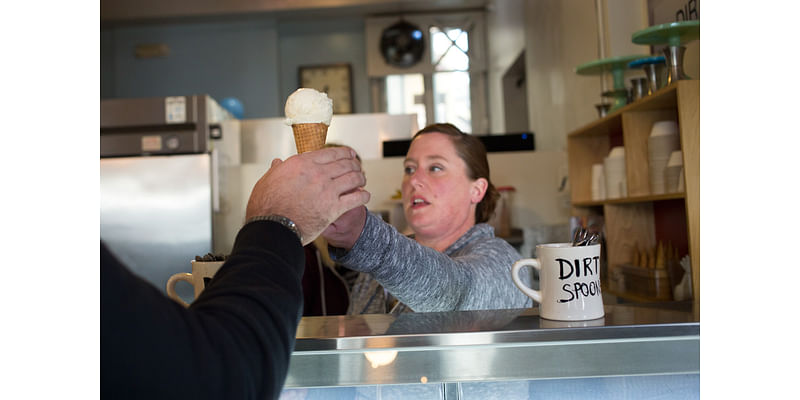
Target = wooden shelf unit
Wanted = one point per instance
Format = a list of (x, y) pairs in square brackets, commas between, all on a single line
[(641, 218)]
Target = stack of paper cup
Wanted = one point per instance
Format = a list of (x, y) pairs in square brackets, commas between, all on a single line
[(614, 166), (598, 182), (673, 172), (663, 140)]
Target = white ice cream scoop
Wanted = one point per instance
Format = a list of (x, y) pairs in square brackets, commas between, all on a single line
[(308, 106)]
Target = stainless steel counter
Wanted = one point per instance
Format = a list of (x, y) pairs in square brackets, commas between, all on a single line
[(470, 346)]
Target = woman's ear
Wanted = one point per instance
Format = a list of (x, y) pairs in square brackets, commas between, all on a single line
[(478, 190)]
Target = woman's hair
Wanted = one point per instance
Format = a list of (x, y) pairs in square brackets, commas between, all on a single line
[(327, 145), (470, 149)]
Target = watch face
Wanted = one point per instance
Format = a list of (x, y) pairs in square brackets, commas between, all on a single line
[(334, 80)]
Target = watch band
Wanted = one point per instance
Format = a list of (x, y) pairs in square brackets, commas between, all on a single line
[(279, 219)]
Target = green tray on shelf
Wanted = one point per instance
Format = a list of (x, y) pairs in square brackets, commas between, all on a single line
[(616, 66), (672, 33)]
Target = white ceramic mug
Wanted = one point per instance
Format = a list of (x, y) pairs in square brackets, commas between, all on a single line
[(569, 278), (550, 324), (201, 270)]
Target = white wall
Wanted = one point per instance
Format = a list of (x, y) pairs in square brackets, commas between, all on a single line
[(535, 174), (560, 35), (264, 139), (556, 36), (505, 20), (537, 207), (621, 20)]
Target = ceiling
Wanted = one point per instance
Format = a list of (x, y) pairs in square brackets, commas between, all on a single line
[(113, 12)]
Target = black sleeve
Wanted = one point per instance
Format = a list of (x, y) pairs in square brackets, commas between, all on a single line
[(235, 340)]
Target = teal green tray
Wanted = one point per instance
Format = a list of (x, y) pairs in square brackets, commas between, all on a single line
[(597, 67), (615, 65), (673, 33)]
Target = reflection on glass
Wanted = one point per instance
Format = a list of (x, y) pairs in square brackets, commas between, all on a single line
[(548, 323), (451, 99), (405, 94), (672, 386), (380, 358)]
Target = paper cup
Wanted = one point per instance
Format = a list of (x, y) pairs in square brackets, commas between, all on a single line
[(662, 128), (675, 159), (672, 178), (615, 177), (598, 182), (617, 152)]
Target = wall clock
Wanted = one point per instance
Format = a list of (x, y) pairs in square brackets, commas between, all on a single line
[(336, 80)]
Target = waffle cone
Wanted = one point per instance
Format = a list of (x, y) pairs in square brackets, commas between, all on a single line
[(309, 137)]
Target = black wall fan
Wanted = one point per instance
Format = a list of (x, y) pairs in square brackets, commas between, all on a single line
[(402, 44)]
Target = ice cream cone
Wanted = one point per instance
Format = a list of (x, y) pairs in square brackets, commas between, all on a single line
[(310, 136)]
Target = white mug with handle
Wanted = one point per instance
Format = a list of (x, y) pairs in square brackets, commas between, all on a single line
[(569, 279), (201, 271)]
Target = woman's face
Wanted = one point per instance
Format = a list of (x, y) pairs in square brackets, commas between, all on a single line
[(439, 199)]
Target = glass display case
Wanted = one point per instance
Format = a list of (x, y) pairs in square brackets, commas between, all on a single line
[(635, 351)]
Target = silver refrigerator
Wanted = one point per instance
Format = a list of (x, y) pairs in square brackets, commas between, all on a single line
[(162, 163)]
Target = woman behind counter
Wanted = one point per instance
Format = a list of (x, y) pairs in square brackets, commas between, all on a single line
[(453, 261)]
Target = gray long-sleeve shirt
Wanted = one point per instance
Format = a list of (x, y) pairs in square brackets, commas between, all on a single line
[(474, 273)]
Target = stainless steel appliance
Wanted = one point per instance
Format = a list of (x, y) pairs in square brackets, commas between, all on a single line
[(160, 164)]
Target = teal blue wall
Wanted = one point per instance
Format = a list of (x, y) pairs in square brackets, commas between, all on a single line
[(332, 41), (255, 60)]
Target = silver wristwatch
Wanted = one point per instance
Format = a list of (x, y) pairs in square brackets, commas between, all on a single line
[(281, 220)]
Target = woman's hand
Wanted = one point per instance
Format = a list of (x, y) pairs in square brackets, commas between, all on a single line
[(345, 231), (312, 189)]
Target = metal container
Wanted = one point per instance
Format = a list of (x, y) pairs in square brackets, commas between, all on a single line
[(163, 167), (639, 88), (656, 76), (654, 70), (602, 109), (674, 57)]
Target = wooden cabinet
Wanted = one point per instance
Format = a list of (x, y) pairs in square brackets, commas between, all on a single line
[(639, 218)]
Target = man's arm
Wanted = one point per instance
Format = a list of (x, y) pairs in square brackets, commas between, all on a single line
[(233, 342)]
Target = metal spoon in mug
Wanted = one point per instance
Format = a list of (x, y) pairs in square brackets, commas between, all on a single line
[(579, 236), (576, 236), (582, 237), (589, 240)]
